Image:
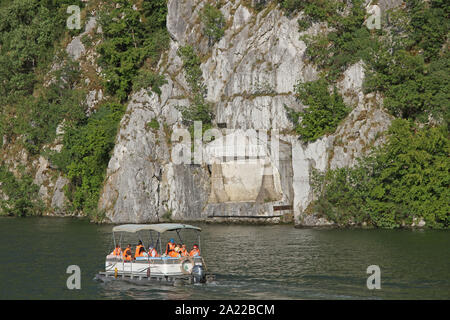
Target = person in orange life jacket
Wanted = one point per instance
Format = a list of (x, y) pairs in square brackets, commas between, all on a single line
[(117, 251), (138, 249), (127, 253), (152, 252), (194, 252), (175, 253), (183, 251), (170, 246), (140, 253)]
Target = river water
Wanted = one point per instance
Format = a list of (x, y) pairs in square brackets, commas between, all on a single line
[(250, 262)]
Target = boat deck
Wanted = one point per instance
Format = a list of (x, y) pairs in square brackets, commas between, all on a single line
[(142, 279)]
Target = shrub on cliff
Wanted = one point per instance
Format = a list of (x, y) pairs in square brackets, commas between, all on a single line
[(86, 153), (130, 38), (404, 181), (28, 30), (19, 196), (323, 110), (214, 23), (29, 33), (407, 59), (200, 109), (413, 88)]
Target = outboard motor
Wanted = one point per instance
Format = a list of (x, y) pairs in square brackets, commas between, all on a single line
[(199, 274)]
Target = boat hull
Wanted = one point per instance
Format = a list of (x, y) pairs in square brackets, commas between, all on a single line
[(160, 266)]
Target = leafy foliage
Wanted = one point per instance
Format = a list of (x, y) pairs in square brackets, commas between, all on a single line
[(146, 79), (413, 88), (199, 110), (28, 29), (348, 42), (29, 34), (407, 59), (324, 111), (153, 124), (404, 181), (214, 23), (22, 197), (130, 38), (39, 117), (86, 153), (429, 25)]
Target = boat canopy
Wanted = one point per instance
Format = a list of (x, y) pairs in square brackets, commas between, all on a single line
[(160, 227)]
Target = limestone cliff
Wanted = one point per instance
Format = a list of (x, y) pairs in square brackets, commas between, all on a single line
[(256, 169), (250, 75)]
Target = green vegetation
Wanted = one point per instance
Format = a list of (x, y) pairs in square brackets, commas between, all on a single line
[(199, 110), (146, 79), (28, 30), (37, 118), (413, 89), (29, 113), (317, 10), (131, 38), (348, 42), (414, 76), (404, 181), (153, 124), (31, 33), (214, 23), (324, 111), (167, 216), (407, 60), (86, 153), (18, 196)]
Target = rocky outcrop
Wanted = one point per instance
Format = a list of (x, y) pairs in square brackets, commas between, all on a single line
[(250, 76)]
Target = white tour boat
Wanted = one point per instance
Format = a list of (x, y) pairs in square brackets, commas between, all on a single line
[(163, 268)]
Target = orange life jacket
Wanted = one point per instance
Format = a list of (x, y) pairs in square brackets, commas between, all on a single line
[(127, 254), (153, 253), (194, 252), (170, 247), (136, 253), (117, 252), (184, 252), (174, 254)]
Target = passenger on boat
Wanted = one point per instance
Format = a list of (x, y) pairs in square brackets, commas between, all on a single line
[(141, 252), (138, 249), (170, 246), (127, 253), (184, 252), (152, 252), (117, 251), (194, 252), (175, 253)]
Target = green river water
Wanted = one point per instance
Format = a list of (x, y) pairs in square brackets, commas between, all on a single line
[(250, 262)]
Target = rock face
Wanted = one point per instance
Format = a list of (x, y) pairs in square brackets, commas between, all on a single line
[(250, 75)]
